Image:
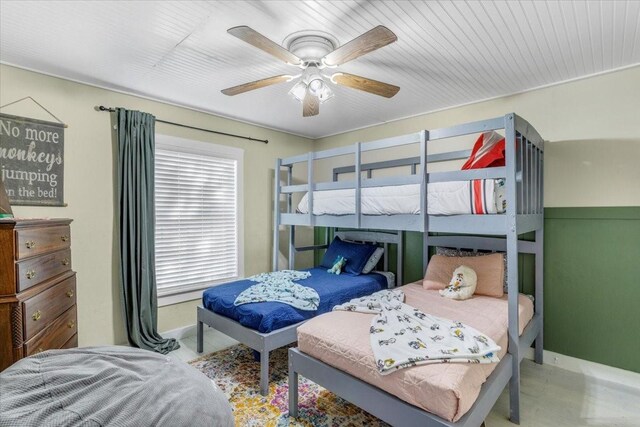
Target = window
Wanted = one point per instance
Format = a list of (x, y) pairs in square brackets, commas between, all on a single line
[(198, 196)]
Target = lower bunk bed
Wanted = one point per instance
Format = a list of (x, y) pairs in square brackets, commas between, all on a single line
[(448, 394), (266, 326)]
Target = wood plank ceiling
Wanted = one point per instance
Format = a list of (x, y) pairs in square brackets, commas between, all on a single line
[(447, 53)]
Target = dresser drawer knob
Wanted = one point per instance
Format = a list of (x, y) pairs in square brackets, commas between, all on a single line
[(36, 316), (70, 293), (64, 238), (31, 274), (71, 324), (30, 244), (65, 261)]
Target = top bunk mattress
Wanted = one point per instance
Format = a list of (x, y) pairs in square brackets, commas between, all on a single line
[(447, 390), (266, 317), (479, 196)]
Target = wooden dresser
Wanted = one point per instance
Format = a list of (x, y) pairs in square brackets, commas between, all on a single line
[(37, 288)]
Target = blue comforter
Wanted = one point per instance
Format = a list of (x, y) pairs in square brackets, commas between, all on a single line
[(269, 316)]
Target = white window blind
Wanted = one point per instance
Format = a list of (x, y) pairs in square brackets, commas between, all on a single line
[(196, 194)]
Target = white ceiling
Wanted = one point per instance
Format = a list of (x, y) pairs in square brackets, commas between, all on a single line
[(447, 53)]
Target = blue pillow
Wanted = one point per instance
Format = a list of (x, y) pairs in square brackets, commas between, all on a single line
[(357, 255)]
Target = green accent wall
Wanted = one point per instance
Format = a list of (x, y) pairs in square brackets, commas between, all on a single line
[(592, 282)]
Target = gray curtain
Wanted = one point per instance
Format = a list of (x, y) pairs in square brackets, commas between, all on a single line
[(136, 220)]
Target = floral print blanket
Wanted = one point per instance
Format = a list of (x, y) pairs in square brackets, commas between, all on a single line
[(278, 286), (403, 336)]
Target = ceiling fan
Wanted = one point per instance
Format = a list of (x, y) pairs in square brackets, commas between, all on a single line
[(313, 52)]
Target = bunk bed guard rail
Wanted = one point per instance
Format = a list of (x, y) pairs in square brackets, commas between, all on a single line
[(523, 170)]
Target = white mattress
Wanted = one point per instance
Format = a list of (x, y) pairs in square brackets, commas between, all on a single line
[(443, 198)]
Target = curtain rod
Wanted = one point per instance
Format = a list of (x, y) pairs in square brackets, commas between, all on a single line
[(266, 141)]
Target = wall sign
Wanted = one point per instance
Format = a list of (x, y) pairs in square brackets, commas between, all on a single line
[(32, 161)]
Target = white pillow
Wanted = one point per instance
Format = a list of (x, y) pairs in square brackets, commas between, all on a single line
[(373, 261)]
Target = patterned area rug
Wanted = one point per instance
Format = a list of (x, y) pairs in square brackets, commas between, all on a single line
[(237, 373)]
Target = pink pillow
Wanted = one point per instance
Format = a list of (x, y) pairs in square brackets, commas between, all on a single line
[(489, 268)]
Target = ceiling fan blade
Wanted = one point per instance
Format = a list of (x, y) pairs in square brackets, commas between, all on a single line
[(371, 40), (256, 39), (235, 90), (310, 105), (367, 85)]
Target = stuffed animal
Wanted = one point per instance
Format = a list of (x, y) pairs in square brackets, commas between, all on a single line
[(338, 265), (462, 285)]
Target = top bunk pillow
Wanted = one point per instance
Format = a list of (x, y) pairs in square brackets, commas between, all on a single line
[(487, 152), (489, 269), (357, 255)]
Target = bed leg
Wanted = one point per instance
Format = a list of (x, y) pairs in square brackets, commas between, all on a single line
[(537, 355), (200, 337), (264, 372), (514, 394), (293, 392)]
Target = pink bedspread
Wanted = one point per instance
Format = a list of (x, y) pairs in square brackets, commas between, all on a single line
[(341, 339)]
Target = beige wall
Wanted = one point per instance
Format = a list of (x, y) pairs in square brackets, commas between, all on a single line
[(89, 188), (592, 127)]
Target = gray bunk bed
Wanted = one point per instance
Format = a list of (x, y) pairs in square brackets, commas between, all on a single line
[(523, 176)]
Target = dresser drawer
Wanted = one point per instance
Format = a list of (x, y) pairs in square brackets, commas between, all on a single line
[(35, 270), (35, 241), (55, 335), (45, 307), (72, 343)]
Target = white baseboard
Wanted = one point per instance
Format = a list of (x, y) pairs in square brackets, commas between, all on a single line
[(597, 371), (180, 333)]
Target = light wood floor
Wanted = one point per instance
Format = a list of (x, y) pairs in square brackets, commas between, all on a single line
[(550, 396)]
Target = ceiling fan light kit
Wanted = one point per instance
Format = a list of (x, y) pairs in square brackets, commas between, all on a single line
[(298, 91), (313, 51)]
